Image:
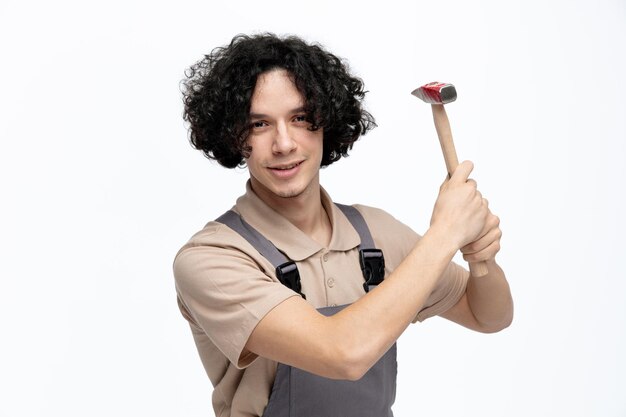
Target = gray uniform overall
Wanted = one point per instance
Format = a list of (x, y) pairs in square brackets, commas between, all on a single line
[(297, 393)]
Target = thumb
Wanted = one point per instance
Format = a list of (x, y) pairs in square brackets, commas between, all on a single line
[(462, 172)]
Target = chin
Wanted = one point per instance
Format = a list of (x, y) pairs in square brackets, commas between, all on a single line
[(273, 189), (289, 193)]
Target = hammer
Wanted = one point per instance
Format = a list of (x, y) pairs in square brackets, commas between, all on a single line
[(437, 94)]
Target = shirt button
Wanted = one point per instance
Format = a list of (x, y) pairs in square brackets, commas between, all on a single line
[(330, 282), (325, 257)]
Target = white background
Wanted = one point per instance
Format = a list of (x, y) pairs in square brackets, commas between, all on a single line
[(100, 188)]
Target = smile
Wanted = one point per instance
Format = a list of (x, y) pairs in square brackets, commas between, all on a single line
[(285, 172), (286, 167)]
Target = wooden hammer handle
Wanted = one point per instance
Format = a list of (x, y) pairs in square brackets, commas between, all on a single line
[(477, 269), (445, 137)]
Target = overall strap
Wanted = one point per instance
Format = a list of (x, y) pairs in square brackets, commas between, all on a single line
[(286, 269), (358, 222), (371, 259)]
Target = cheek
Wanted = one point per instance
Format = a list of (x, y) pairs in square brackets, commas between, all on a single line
[(254, 150), (319, 143)]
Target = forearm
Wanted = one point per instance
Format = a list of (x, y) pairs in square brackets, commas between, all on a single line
[(489, 298), (373, 323), (347, 344)]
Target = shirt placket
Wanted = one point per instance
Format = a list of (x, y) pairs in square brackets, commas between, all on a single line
[(330, 282)]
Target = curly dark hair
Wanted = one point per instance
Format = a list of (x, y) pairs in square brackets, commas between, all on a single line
[(217, 92)]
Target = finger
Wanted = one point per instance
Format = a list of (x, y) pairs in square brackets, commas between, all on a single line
[(461, 173), (492, 222), (479, 200), (484, 255), (483, 242)]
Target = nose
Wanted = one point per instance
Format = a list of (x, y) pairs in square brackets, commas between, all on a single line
[(283, 140)]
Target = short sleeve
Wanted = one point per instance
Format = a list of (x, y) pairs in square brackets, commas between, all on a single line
[(225, 292), (446, 294)]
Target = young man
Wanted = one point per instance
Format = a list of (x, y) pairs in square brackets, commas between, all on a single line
[(284, 109)]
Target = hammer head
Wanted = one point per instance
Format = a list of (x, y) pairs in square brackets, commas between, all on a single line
[(436, 93)]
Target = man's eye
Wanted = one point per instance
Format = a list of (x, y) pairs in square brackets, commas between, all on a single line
[(257, 125), (300, 118)]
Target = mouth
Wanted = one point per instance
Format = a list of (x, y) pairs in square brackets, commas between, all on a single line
[(285, 171), (285, 167)]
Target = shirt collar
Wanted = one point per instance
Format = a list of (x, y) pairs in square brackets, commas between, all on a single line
[(288, 238)]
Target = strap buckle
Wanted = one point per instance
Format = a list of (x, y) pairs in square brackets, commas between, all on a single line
[(373, 266), (289, 276)]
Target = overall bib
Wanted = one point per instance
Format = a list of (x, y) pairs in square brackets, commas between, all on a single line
[(297, 393)]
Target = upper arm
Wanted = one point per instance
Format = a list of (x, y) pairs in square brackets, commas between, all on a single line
[(447, 294), (462, 314), (489, 298), (225, 292)]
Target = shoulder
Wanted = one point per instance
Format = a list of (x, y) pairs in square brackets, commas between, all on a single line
[(392, 236), (383, 225), (224, 287), (215, 250)]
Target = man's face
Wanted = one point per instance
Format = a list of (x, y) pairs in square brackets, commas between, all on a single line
[(286, 156)]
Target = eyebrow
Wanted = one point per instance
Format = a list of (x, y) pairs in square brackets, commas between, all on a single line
[(265, 116)]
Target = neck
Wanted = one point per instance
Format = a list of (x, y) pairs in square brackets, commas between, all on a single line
[(305, 210)]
